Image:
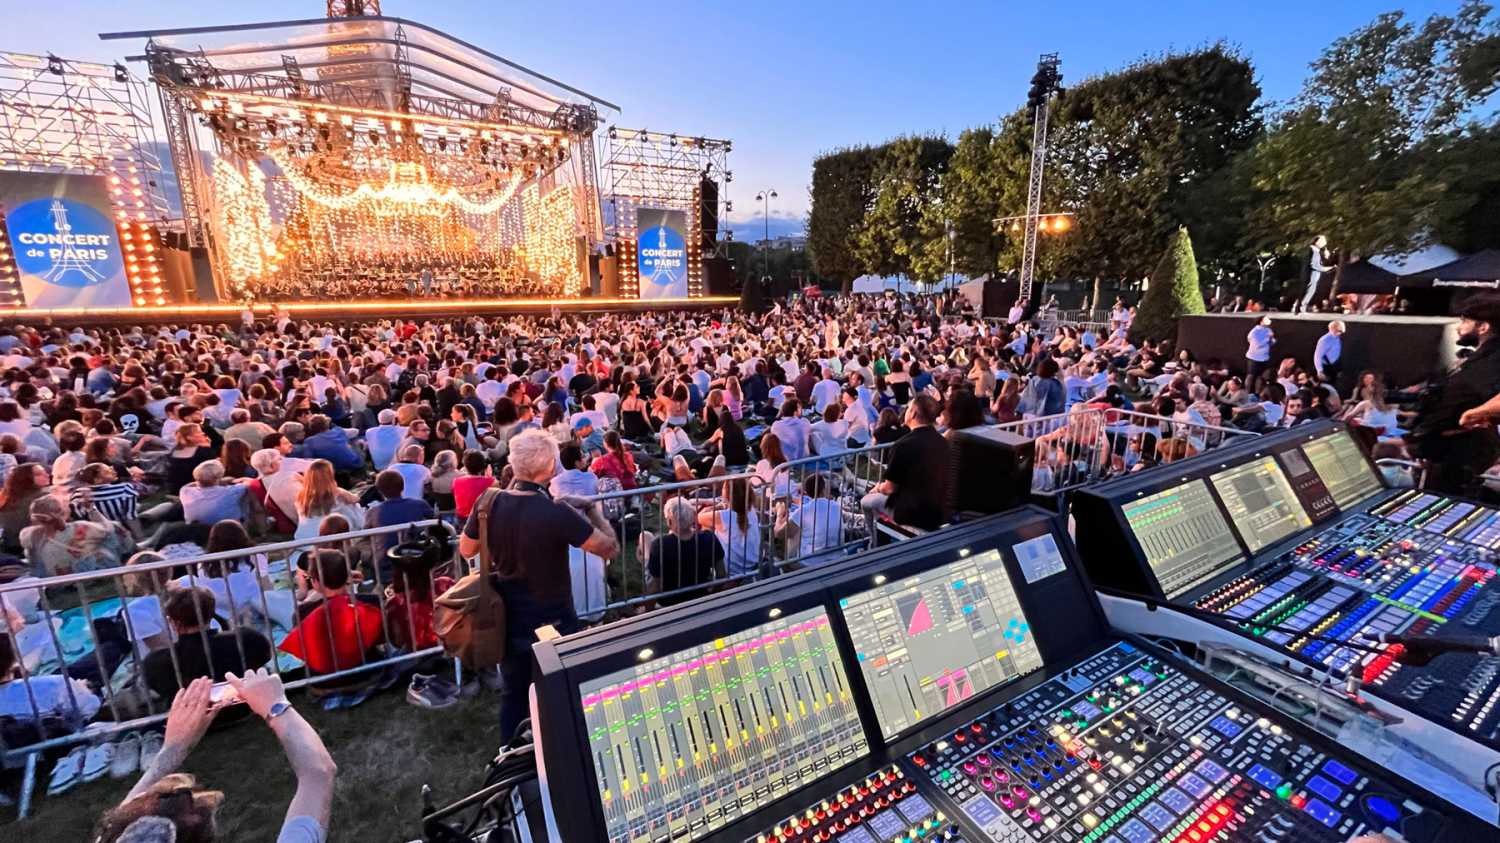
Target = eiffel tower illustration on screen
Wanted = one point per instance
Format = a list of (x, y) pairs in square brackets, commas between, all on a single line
[(658, 270), (70, 261)]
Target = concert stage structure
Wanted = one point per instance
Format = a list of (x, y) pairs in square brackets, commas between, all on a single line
[(79, 128), (663, 200), (357, 157), (1406, 348), (366, 150)]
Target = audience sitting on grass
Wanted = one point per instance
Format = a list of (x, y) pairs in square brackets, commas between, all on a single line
[(307, 428)]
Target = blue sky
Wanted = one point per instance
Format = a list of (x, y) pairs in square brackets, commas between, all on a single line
[(787, 80)]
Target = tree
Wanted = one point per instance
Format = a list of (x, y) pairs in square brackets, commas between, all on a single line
[(902, 232), (1140, 152), (1174, 291), (1370, 153), (843, 187)]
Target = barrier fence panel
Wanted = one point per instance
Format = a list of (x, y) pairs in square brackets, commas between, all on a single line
[(604, 589), (107, 649), (1088, 445), (813, 506)]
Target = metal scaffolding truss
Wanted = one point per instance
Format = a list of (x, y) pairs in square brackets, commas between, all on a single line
[(63, 116), (646, 169), (661, 170)]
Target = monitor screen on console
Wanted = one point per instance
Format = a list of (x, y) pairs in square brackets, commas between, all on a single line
[(927, 642), (685, 743), (1184, 535)]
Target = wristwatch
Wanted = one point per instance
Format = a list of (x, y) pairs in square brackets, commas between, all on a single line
[(277, 709)]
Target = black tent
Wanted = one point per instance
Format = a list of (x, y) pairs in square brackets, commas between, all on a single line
[(1364, 278), (1481, 269)]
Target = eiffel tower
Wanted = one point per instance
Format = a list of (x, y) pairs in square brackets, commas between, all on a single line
[(661, 246), (70, 261)]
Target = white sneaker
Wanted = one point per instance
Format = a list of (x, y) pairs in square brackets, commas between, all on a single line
[(127, 756), (97, 760), (150, 746), (65, 771)]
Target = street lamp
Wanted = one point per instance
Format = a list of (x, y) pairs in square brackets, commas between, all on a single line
[(764, 197)]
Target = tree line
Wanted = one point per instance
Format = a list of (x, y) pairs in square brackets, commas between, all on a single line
[(1390, 144)]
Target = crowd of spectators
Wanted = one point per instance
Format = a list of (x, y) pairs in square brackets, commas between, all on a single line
[(145, 445)]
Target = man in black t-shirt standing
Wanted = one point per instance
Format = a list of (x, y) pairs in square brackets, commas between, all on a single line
[(684, 557), (529, 534), (914, 491)]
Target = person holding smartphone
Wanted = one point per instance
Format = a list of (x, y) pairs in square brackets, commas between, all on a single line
[(166, 805)]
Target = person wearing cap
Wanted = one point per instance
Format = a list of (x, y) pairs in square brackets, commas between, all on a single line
[(590, 439), (1457, 455)]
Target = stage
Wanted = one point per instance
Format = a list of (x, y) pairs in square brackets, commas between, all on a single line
[(349, 311), (1407, 348)]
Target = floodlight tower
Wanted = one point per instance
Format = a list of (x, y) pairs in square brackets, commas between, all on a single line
[(1044, 84)]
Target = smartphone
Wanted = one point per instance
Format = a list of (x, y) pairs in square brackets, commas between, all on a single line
[(224, 693)]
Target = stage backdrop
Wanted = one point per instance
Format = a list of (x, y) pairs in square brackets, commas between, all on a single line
[(662, 253), (63, 236)]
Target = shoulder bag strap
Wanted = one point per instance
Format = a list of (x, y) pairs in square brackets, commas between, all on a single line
[(484, 507)]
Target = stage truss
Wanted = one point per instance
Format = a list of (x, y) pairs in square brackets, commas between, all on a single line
[(354, 152), (645, 169), (63, 116)]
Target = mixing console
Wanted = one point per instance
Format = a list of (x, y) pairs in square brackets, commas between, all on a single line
[(1466, 521), (1367, 576), (1126, 749)]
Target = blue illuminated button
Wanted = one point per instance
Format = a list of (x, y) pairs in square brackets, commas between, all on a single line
[(1211, 771), (1339, 771), (1382, 808), (1137, 832), (1321, 812), (1265, 778), (1194, 785), (1324, 788), (1226, 727)]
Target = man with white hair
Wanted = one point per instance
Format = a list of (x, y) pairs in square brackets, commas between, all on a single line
[(209, 499), (1328, 354), (383, 439), (528, 535), (281, 477), (684, 557)]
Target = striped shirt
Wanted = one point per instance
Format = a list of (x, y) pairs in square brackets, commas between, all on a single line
[(115, 501)]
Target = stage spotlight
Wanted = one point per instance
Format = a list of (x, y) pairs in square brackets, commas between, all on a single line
[(611, 132), (54, 65), (728, 175), (121, 74), (672, 139)]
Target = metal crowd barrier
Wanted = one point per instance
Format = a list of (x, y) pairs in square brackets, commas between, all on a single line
[(254, 591), (808, 512), (1088, 445)]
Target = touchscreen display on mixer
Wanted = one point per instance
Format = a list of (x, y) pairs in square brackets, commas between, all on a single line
[(1184, 536), (1343, 467), (1261, 503), (929, 642), (685, 743)]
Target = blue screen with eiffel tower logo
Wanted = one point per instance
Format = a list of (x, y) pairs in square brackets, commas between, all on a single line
[(64, 240), (661, 253)]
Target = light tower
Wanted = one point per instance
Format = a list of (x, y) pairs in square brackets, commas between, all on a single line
[(1043, 85), (353, 8)]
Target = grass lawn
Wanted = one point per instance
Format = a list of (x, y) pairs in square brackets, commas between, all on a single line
[(386, 750)]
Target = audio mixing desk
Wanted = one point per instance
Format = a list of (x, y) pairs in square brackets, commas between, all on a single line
[(963, 686), (1292, 542)]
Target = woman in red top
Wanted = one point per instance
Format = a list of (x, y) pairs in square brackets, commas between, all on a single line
[(467, 488), (616, 462)]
